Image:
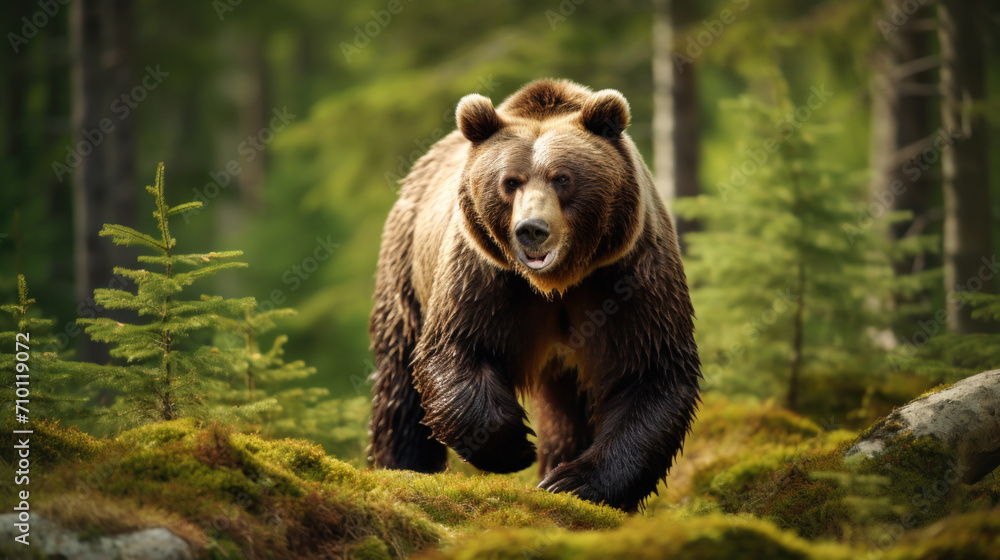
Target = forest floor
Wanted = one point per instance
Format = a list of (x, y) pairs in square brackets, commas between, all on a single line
[(755, 481)]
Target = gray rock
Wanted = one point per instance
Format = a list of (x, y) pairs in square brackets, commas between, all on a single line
[(965, 417), (50, 540)]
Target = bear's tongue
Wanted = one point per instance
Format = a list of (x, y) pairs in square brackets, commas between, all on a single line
[(537, 260)]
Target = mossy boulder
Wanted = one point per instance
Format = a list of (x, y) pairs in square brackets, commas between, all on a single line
[(964, 417)]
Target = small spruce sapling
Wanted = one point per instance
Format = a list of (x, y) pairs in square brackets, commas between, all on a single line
[(47, 375), (287, 409), (167, 372), (256, 376)]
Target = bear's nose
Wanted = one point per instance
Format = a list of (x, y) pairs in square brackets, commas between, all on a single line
[(532, 232)]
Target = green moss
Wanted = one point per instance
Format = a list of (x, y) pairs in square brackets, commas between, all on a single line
[(932, 390), (969, 536), (738, 477), (152, 435), (237, 495), (885, 428), (229, 490), (802, 483), (370, 548), (52, 443), (923, 477), (709, 537), (912, 483)]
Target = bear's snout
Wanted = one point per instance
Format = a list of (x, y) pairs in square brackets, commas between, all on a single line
[(532, 232)]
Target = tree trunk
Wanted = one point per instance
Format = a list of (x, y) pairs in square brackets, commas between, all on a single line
[(676, 123), (253, 119), (118, 19), (89, 174), (687, 141), (16, 70), (798, 326), (900, 127), (965, 417), (103, 180), (965, 164), (664, 154)]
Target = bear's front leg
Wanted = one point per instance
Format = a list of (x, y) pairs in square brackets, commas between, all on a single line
[(641, 425), (471, 407)]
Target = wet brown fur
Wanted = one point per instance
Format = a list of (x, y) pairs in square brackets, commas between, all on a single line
[(603, 339)]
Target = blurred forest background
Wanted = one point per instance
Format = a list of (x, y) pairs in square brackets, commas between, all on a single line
[(829, 162)]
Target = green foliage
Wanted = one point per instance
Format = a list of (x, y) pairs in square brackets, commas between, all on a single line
[(288, 409), (167, 371), (43, 375), (779, 280), (198, 357), (255, 375), (949, 357)]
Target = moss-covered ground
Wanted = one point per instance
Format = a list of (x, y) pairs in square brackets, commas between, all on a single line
[(755, 481)]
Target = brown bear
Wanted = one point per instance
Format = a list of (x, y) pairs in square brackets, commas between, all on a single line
[(530, 255)]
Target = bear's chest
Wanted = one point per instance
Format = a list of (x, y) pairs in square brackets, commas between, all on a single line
[(567, 333)]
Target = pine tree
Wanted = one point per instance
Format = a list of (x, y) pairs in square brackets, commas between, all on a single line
[(782, 279), (950, 356), (257, 377), (46, 375), (286, 408), (167, 372)]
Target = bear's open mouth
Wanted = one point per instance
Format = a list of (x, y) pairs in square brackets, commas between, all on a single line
[(537, 261)]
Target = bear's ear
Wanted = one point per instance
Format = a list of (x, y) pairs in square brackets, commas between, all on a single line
[(476, 117), (606, 114)]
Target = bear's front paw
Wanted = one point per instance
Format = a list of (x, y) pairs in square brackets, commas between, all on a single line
[(503, 450), (591, 482)]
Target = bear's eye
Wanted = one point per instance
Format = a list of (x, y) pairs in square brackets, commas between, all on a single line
[(561, 180), (511, 184)]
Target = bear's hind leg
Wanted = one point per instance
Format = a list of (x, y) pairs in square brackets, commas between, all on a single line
[(562, 418), (398, 439)]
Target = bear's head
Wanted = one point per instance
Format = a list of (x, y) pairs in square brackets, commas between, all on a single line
[(553, 187)]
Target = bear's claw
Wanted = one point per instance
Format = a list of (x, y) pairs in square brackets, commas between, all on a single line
[(584, 479)]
